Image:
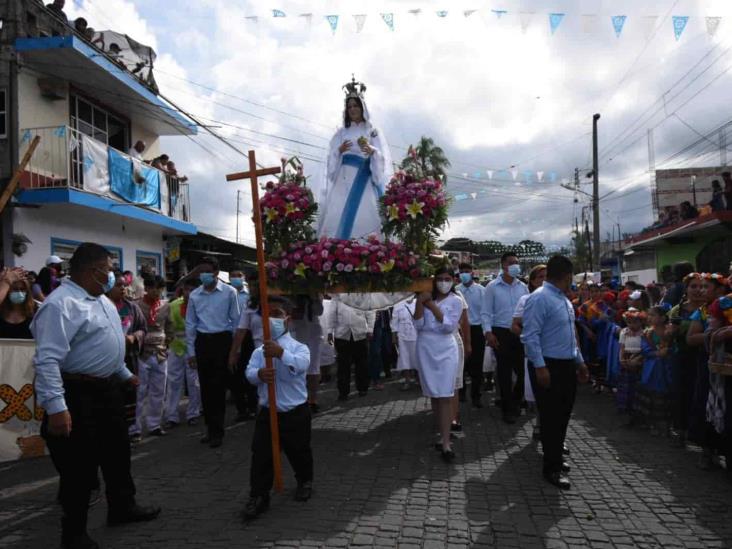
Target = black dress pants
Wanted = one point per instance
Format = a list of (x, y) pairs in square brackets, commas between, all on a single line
[(555, 405), (212, 358), (509, 361), (474, 362), (243, 392), (352, 352), (295, 429), (98, 439)]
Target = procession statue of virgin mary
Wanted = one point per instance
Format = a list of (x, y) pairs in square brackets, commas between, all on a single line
[(357, 170)]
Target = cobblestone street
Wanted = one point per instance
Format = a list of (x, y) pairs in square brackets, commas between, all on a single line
[(380, 484)]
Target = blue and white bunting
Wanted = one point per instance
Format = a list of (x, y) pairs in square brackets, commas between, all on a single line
[(555, 19), (679, 22), (618, 24), (712, 25), (441, 13), (333, 22), (389, 20), (499, 13), (360, 21), (278, 13)]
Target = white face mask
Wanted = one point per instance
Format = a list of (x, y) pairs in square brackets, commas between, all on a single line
[(444, 286)]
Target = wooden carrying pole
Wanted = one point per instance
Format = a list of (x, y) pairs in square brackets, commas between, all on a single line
[(13, 183), (252, 174)]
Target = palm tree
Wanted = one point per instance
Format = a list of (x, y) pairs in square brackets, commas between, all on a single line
[(429, 157)]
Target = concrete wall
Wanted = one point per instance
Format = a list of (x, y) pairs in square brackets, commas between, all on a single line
[(80, 224), (36, 111)]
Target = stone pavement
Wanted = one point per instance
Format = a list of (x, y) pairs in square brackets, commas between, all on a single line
[(380, 484)]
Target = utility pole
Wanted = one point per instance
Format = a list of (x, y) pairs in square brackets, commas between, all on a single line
[(238, 194), (595, 196)]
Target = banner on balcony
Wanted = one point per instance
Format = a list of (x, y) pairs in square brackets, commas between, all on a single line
[(134, 183), (95, 165)]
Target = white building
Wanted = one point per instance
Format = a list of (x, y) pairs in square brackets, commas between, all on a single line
[(88, 108)]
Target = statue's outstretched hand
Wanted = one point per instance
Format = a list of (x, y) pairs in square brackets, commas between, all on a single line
[(346, 145)]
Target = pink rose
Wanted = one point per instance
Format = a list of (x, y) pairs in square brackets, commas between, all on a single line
[(327, 266)]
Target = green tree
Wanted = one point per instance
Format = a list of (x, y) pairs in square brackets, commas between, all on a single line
[(430, 158)]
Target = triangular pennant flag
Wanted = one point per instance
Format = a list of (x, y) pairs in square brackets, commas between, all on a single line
[(333, 22), (415, 12), (539, 176), (60, 131), (278, 13), (308, 17), (473, 195), (713, 25), (527, 175), (360, 21), (648, 24), (73, 143), (499, 13), (555, 19), (252, 18), (389, 20), (553, 177), (525, 20), (489, 173), (477, 175), (442, 13), (679, 22), (468, 13), (26, 136), (589, 23), (465, 174), (618, 24), (514, 173)]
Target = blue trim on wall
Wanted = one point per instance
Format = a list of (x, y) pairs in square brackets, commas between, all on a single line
[(72, 42), (120, 251), (81, 198), (156, 255)]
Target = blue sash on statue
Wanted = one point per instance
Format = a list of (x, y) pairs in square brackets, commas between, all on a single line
[(360, 182)]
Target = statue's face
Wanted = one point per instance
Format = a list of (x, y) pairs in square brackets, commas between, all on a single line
[(355, 112)]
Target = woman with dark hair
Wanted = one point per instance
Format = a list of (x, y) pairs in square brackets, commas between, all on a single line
[(700, 430), (17, 309), (437, 317), (685, 365), (357, 170)]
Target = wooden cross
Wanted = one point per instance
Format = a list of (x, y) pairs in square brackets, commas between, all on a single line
[(252, 175)]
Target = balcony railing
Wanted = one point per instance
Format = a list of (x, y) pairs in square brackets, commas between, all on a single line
[(66, 158)]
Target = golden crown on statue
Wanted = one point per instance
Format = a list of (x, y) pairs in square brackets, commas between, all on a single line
[(354, 89)]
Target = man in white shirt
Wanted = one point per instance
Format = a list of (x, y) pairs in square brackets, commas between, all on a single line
[(137, 150), (352, 329), (501, 297)]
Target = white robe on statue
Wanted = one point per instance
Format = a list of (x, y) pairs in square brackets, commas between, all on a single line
[(354, 183)]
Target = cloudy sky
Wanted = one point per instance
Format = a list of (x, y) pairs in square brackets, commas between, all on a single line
[(501, 95)]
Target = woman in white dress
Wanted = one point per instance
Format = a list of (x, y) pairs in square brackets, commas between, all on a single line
[(437, 317), (536, 280), (357, 171)]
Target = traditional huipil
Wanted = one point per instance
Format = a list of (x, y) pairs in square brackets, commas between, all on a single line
[(354, 179), (437, 350)]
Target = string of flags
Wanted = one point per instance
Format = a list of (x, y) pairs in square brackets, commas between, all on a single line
[(589, 22)]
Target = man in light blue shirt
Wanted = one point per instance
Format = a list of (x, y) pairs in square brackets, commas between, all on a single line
[(550, 338), (290, 363), (501, 297), (474, 295), (211, 317), (80, 383)]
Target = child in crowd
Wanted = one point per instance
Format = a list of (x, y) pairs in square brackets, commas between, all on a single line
[(655, 384), (405, 336), (631, 362)]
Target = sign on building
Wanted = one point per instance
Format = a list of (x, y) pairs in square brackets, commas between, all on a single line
[(690, 184)]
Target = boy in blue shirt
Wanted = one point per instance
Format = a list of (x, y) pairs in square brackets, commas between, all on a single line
[(291, 360)]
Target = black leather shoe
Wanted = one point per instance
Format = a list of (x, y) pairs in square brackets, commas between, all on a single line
[(342, 398), (157, 432), (136, 513), (448, 456), (508, 418), (215, 442), (456, 427), (255, 507), (558, 480), (79, 542), (565, 450), (304, 491), (565, 467), (205, 439), (314, 408)]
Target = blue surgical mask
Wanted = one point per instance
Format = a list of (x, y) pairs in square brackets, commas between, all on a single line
[(277, 327), (111, 281), (16, 298), (466, 278), (207, 278), (237, 282), (514, 270)]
